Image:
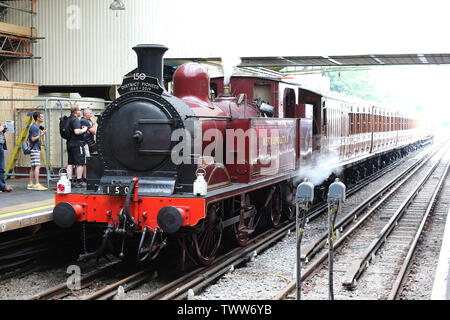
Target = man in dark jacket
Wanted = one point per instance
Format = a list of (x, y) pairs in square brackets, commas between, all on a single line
[(75, 147), (90, 146)]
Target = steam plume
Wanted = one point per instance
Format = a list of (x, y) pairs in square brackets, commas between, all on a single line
[(228, 64), (321, 167)]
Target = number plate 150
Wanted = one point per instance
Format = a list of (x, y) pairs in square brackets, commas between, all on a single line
[(116, 190)]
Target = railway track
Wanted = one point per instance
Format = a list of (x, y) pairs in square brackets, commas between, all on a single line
[(20, 253), (191, 283), (399, 281), (177, 289), (180, 288), (375, 237), (62, 290)]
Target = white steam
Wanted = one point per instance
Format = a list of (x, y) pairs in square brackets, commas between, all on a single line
[(228, 64), (320, 168)]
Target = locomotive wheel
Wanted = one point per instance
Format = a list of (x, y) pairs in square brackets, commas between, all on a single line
[(274, 208), (207, 242), (288, 206), (245, 227)]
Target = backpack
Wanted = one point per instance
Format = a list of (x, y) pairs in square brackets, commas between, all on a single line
[(64, 127), (26, 147)]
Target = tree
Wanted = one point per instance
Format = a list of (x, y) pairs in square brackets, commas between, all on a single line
[(355, 83)]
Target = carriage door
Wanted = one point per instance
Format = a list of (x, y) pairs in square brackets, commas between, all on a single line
[(306, 137), (324, 137), (371, 127), (289, 103)]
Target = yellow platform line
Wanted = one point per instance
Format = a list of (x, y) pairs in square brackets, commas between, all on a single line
[(21, 208), (26, 205), (27, 210)]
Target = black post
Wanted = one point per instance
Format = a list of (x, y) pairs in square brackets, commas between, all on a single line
[(333, 209), (336, 195), (301, 219), (304, 196)]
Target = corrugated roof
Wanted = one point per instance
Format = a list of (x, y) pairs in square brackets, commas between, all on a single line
[(357, 60)]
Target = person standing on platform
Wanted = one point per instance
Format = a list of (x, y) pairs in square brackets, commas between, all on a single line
[(34, 140), (90, 146), (75, 147), (3, 186)]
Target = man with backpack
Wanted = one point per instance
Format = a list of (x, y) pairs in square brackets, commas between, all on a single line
[(90, 146), (71, 130), (34, 140)]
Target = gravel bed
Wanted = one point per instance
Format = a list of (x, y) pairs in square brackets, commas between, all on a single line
[(272, 270), (24, 287), (421, 275)]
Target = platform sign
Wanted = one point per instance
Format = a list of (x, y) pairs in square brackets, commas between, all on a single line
[(10, 126)]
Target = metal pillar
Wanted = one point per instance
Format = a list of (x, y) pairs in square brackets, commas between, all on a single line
[(304, 196), (336, 195)]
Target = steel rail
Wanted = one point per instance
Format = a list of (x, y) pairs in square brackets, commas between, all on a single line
[(398, 281), (196, 286), (356, 270), (107, 294), (129, 285), (263, 246), (139, 277), (108, 289), (63, 290), (315, 246), (199, 282), (200, 278), (305, 274), (318, 209)]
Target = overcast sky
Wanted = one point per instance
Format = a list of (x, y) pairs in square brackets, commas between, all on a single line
[(417, 86)]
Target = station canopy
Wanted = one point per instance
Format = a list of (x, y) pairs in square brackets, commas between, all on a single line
[(350, 60)]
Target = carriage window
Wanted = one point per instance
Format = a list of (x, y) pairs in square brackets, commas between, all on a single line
[(289, 97), (289, 102), (308, 111), (262, 91), (316, 115), (213, 90), (364, 121), (351, 123)]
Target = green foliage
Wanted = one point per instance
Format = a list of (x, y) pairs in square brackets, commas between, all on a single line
[(355, 83)]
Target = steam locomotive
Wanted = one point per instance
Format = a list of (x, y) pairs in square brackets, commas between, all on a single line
[(203, 162)]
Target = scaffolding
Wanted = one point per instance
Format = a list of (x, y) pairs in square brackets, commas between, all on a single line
[(53, 109), (17, 42)]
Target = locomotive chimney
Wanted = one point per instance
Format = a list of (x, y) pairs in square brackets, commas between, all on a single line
[(150, 60), (227, 89)]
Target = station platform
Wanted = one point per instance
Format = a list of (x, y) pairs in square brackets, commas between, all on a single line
[(22, 208), (441, 284)]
